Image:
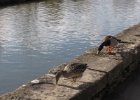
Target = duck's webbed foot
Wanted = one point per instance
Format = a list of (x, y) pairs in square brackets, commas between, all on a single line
[(109, 50), (74, 79)]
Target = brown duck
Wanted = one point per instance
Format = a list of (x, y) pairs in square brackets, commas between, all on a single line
[(72, 71), (110, 42)]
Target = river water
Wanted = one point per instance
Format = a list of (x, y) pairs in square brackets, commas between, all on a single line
[(37, 37)]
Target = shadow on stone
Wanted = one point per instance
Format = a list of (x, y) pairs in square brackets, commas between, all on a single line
[(137, 35), (76, 88), (97, 70)]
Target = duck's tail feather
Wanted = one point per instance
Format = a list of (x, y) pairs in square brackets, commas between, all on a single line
[(126, 42)]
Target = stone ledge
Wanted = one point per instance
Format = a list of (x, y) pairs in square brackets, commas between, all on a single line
[(103, 70)]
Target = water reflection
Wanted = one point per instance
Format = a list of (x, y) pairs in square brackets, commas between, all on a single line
[(38, 36)]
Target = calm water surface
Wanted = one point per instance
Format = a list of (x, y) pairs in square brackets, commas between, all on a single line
[(37, 37)]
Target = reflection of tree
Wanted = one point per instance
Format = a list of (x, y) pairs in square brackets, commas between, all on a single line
[(123, 13), (126, 5), (36, 23), (53, 12), (30, 22)]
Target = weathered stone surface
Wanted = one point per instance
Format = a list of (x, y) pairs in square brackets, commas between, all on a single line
[(102, 70)]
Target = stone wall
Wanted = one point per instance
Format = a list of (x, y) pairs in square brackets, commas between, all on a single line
[(104, 69)]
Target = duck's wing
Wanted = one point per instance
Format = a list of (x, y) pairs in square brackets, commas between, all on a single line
[(79, 67), (107, 38), (116, 39)]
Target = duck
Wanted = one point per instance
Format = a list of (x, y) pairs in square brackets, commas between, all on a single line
[(72, 71), (110, 42)]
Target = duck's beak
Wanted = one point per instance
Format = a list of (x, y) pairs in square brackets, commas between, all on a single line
[(98, 51), (58, 75), (56, 81)]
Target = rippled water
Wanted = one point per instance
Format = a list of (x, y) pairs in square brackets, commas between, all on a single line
[(36, 37)]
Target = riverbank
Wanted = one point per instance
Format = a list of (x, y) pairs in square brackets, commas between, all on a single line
[(103, 71)]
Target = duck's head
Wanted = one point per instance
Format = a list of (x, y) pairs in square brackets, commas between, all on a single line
[(106, 42), (100, 48), (58, 75)]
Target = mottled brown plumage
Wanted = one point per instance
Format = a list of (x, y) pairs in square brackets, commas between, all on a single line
[(72, 71)]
